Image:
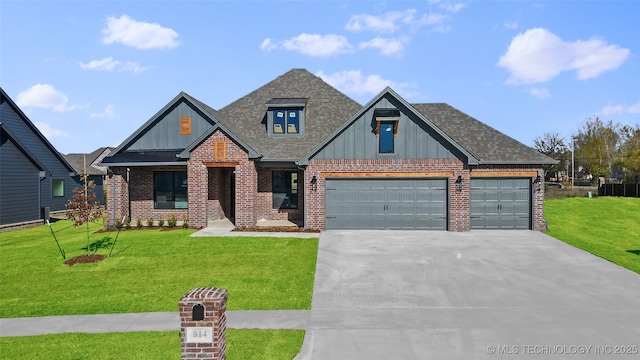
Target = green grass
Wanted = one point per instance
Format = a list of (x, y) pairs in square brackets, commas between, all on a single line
[(608, 227), (241, 345), (150, 271)]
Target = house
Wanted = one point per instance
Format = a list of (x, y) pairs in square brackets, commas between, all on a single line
[(297, 149), (89, 165), (33, 174)]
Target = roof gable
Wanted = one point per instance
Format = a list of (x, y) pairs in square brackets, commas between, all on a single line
[(160, 139), (6, 135), (435, 141), (29, 137)]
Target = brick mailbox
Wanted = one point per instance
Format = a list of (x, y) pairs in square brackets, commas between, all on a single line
[(203, 324)]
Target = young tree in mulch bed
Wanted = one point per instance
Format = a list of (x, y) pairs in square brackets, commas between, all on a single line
[(83, 209)]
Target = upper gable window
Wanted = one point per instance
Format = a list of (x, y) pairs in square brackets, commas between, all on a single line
[(386, 129), (285, 116)]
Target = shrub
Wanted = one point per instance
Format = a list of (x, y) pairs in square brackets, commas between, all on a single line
[(185, 223), (118, 224), (127, 223), (150, 222), (160, 222), (139, 223), (172, 221)]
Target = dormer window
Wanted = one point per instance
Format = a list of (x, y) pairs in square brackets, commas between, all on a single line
[(285, 116)]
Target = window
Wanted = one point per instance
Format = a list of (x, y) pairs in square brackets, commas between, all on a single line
[(170, 189), (57, 187), (286, 121), (285, 189), (386, 137)]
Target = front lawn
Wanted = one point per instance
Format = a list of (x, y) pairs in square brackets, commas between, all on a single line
[(241, 345), (150, 270), (608, 227)]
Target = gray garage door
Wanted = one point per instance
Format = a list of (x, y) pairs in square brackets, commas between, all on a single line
[(386, 204), (500, 203)]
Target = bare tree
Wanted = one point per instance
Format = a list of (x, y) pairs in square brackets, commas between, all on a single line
[(552, 145)]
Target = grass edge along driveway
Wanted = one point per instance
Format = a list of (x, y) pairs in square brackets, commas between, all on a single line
[(604, 226)]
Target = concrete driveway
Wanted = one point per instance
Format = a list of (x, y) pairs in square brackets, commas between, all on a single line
[(475, 295)]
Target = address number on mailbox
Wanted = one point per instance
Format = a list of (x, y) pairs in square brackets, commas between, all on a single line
[(199, 335)]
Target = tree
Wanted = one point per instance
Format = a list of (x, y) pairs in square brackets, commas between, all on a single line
[(82, 207), (552, 145), (630, 152), (596, 146)]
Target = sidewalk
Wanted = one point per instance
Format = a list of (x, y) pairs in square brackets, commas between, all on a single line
[(155, 321)]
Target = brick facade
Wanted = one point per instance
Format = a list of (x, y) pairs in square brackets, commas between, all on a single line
[(458, 200), (458, 196)]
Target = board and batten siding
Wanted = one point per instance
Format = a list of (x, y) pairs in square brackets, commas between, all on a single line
[(165, 133), (19, 184), (46, 155), (414, 139)]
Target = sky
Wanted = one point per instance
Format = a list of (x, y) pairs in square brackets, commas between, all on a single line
[(90, 73)]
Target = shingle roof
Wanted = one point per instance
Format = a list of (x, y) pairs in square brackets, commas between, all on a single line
[(487, 144), (326, 109), (78, 161)]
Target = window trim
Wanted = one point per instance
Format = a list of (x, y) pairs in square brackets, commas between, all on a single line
[(271, 121), (173, 191), (394, 122), (291, 193), (53, 187)]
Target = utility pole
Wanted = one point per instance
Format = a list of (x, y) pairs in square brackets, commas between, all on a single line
[(573, 150)]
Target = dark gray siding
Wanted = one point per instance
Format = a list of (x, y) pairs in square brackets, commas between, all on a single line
[(19, 183), (44, 153), (414, 140), (165, 133)]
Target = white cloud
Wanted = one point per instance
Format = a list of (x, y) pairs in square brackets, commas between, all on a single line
[(393, 21), (109, 64), (109, 112), (353, 81), (44, 96), (268, 45), (511, 25), (612, 109), (538, 55), (138, 34), (311, 45), (387, 47), (50, 132), (634, 109), (387, 23), (621, 109), (540, 93), (452, 7)]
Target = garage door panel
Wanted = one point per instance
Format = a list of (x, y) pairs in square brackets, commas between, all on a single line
[(386, 204), (500, 203)]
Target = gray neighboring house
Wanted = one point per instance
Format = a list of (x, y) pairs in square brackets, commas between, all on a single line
[(89, 164), (34, 176)]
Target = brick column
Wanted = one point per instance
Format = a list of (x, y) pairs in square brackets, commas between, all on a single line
[(203, 324), (198, 193), (246, 194)]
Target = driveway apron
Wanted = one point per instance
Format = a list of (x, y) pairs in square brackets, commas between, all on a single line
[(475, 295)]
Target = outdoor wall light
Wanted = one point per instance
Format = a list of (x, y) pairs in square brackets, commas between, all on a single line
[(459, 184), (537, 182), (314, 183)]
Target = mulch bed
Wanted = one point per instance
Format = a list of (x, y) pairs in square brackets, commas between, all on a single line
[(85, 259)]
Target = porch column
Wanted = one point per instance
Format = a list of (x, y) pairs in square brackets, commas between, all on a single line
[(246, 194), (198, 193)]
